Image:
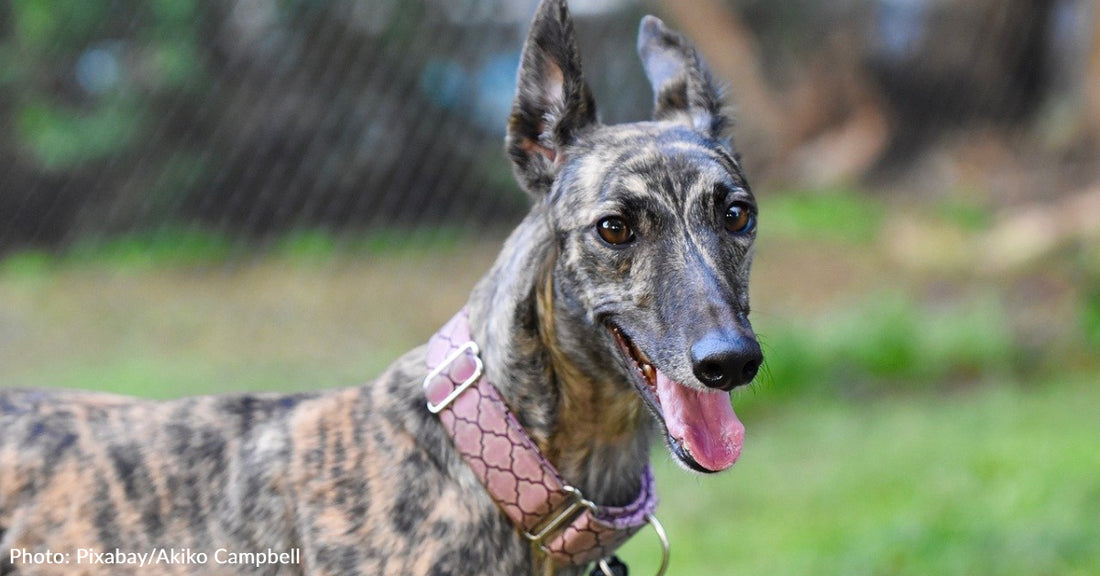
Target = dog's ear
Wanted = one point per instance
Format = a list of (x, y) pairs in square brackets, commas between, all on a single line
[(553, 103), (683, 88)]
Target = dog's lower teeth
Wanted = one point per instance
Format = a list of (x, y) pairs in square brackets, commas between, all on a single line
[(649, 372)]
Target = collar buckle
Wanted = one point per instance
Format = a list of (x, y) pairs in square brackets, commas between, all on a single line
[(573, 507)]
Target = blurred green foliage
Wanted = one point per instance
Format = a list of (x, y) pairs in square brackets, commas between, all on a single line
[(63, 137), (1090, 297), (838, 215), (1090, 315), (42, 25), (162, 248), (965, 213), (65, 124), (169, 246), (888, 340), (312, 246)]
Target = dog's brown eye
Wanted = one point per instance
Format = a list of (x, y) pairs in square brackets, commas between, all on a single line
[(740, 218), (614, 230)]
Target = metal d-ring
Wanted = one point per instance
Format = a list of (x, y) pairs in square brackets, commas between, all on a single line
[(661, 535)]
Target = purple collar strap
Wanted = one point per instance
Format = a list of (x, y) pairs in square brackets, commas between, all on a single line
[(529, 490)]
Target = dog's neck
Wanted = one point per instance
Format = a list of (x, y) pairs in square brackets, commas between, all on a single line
[(595, 432)]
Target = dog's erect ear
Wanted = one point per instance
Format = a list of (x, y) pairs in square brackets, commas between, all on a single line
[(682, 85), (553, 103)]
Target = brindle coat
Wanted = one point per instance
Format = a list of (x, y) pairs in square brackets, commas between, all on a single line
[(363, 480)]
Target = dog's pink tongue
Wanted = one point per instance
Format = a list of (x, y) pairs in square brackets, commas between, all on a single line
[(703, 422)]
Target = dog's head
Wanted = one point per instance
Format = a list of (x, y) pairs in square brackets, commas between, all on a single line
[(654, 224)]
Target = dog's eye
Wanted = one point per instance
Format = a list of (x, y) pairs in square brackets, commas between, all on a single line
[(614, 230), (740, 218)]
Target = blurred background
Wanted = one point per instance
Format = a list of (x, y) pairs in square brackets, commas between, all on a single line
[(243, 195)]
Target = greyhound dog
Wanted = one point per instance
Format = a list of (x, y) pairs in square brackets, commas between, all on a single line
[(617, 311)]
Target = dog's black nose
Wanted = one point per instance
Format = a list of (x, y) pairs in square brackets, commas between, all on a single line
[(725, 360)]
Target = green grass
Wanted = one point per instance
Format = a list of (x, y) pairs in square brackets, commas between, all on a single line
[(192, 317), (888, 339), (840, 215), (997, 481)]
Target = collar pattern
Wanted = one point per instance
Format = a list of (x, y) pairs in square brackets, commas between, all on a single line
[(528, 488)]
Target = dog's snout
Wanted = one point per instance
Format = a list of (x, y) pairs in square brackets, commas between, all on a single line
[(725, 360)]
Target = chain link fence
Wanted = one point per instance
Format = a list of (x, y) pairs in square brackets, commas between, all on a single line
[(251, 118)]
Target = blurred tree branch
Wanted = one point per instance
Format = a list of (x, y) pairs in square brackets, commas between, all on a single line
[(733, 54), (829, 126)]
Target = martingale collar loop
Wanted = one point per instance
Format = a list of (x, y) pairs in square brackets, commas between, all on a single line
[(548, 511)]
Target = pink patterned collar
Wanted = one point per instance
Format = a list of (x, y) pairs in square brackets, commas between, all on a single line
[(529, 490)]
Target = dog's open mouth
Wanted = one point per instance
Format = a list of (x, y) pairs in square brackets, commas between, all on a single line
[(703, 431)]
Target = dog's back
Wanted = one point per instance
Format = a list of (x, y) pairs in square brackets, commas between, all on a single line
[(84, 471), (329, 483)]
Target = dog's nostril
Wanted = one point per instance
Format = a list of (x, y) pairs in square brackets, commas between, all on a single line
[(710, 373), (748, 372)]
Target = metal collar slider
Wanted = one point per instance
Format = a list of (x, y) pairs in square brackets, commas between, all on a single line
[(573, 507), (433, 380)]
